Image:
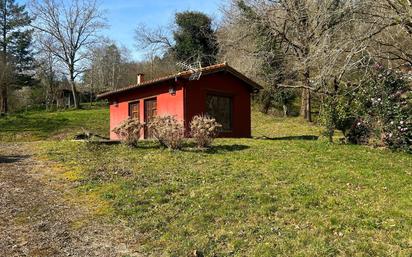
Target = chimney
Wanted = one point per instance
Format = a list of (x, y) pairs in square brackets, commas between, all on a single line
[(140, 78)]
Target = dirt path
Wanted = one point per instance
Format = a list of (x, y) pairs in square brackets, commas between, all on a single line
[(37, 220)]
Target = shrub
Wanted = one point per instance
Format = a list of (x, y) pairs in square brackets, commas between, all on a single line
[(203, 130), (129, 131), (168, 131), (358, 133), (385, 102), (398, 134)]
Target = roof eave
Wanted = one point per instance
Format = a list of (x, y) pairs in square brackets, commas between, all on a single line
[(222, 67)]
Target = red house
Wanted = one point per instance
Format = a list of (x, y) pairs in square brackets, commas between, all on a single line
[(221, 92)]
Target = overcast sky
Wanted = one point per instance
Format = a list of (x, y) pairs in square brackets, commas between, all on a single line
[(123, 16)]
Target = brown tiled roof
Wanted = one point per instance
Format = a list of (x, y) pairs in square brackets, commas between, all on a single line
[(185, 74)]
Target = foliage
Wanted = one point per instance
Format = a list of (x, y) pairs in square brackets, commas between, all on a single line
[(383, 104), (194, 38), (168, 131), (248, 197), (273, 67), (279, 98), (15, 49), (204, 130), (359, 133), (129, 131), (376, 112), (337, 114), (17, 42)]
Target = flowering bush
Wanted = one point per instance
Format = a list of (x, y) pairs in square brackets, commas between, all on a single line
[(168, 131), (377, 111), (386, 107), (398, 134), (129, 131), (203, 130)]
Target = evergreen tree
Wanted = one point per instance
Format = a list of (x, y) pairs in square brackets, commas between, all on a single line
[(195, 38), (15, 42)]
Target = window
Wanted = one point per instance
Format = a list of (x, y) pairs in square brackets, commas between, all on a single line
[(134, 110), (220, 108)]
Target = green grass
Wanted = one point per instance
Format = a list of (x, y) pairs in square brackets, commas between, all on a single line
[(250, 197), (276, 127), (43, 125)]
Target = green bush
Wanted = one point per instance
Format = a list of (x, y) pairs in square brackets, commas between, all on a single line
[(384, 104), (358, 133)]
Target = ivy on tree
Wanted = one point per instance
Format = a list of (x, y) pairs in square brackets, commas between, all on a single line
[(195, 38)]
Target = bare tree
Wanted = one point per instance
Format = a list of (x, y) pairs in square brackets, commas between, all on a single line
[(47, 75), (105, 67), (237, 43), (388, 25), (300, 27), (156, 41), (66, 30)]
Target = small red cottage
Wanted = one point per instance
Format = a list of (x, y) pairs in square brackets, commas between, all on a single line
[(221, 92)]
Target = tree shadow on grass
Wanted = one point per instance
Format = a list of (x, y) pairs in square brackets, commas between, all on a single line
[(13, 158), (303, 137), (226, 148), (215, 149)]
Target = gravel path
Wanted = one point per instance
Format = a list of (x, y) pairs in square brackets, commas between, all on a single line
[(37, 220)]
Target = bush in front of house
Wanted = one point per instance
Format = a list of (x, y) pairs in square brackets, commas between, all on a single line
[(129, 131), (168, 131), (204, 130)]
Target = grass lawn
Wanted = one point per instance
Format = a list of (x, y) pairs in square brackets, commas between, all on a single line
[(249, 197), (44, 125)]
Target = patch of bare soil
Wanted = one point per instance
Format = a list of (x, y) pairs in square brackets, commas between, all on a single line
[(37, 220)]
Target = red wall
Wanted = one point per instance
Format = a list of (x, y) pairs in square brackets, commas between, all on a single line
[(225, 84), (167, 104), (190, 100)]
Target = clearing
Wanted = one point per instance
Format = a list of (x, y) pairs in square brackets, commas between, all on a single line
[(286, 195)]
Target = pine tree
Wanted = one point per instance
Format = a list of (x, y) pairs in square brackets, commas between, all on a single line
[(15, 42)]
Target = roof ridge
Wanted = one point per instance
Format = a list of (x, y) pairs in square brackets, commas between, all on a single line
[(181, 74), (178, 74)]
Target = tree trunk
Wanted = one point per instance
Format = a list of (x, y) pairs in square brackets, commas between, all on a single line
[(306, 108), (76, 99), (91, 91), (265, 108), (285, 110), (4, 108), (303, 104), (330, 135), (308, 105)]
